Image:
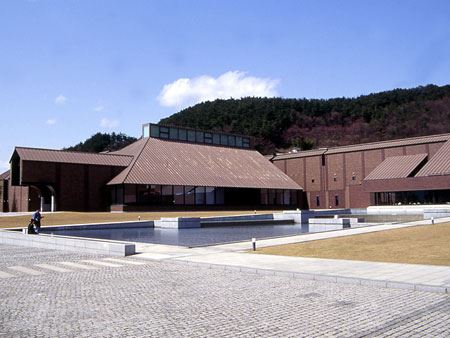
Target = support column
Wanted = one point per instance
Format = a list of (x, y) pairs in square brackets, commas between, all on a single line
[(52, 203), (42, 203)]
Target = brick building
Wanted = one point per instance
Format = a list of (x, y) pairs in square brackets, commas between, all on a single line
[(406, 171), (168, 168)]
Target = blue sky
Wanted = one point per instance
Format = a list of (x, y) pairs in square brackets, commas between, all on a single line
[(71, 68)]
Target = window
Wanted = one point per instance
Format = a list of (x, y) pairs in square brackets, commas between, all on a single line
[(154, 131), (130, 193), (146, 131), (353, 176), (335, 178), (200, 196), (323, 159), (238, 141), (191, 135), (245, 142), (208, 138), (216, 138), (318, 201), (220, 195), (182, 134), (200, 137), (163, 132), (173, 134), (264, 197), (231, 140), (189, 195), (312, 181), (178, 194), (286, 197), (167, 194), (223, 139), (210, 195), (336, 200)]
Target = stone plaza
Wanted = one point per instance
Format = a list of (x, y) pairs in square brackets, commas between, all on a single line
[(56, 293)]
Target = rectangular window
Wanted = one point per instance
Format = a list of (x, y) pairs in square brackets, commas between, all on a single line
[(182, 134), (154, 194), (286, 197), (119, 194), (200, 196), (210, 195), (154, 131), (167, 194), (191, 135), (231, 140), (318, 201), (224, 140), (272, 196), (163, 132), (142, 194), (178, 194), (200, 137), (238, 141), (220, 196), (294, 197), (336, 200), (216, 138), (130, 193), (189, 195), (264, 197), (208, 138), (173, 134), (245, 142), (323, 159)]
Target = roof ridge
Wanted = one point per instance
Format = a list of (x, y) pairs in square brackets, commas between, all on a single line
[(70, 151), (133, 162)]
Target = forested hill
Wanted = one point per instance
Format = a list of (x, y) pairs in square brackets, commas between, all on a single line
[(278, 123), (103, 142)]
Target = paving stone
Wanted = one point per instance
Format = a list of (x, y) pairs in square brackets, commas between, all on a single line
[(165, 299)]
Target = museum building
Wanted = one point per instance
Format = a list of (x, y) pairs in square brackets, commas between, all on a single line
[(168, 168), (172, 168)]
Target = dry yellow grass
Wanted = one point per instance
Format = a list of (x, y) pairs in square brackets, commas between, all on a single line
[(61, 218), (427, 244)]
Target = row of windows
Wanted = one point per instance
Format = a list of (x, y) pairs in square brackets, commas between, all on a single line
[(336, 200), (189, 135), (167, 195), (278, 197)]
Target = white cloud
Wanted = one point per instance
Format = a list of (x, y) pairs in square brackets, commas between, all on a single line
[(50, 122), (99, 108), (60, 99), (108, 124), (234, 84)]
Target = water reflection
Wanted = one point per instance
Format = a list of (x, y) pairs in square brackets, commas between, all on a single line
[(190, 237)]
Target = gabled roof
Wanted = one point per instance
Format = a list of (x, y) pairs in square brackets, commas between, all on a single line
[(439, 164), (177, 163), (396, 167), (5, 175), (62, 156)]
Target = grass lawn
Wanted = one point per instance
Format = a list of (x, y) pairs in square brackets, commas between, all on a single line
[(427, 244), (61, 218)]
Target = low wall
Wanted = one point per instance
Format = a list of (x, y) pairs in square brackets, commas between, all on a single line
[(67, 243), (178, 223), (98, 226)]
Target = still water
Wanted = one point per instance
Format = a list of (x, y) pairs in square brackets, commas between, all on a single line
[(189, 237)]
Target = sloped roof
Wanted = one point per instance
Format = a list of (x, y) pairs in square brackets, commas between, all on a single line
[(178, 163), (439, 164), (368, 146), (396, 167), (5, 175), (62, 156)]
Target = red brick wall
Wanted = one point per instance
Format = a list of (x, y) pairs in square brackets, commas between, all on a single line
[(295, 169)]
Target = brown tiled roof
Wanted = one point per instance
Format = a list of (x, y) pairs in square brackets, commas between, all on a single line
[(439, 164), (177, 163), (369, 146), (5, 175), (396, 167), (62, 156)]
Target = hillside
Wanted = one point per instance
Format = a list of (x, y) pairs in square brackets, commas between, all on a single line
[(278, 123), (103, 142)]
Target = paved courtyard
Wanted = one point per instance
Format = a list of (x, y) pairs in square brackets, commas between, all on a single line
[(54, 293)]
